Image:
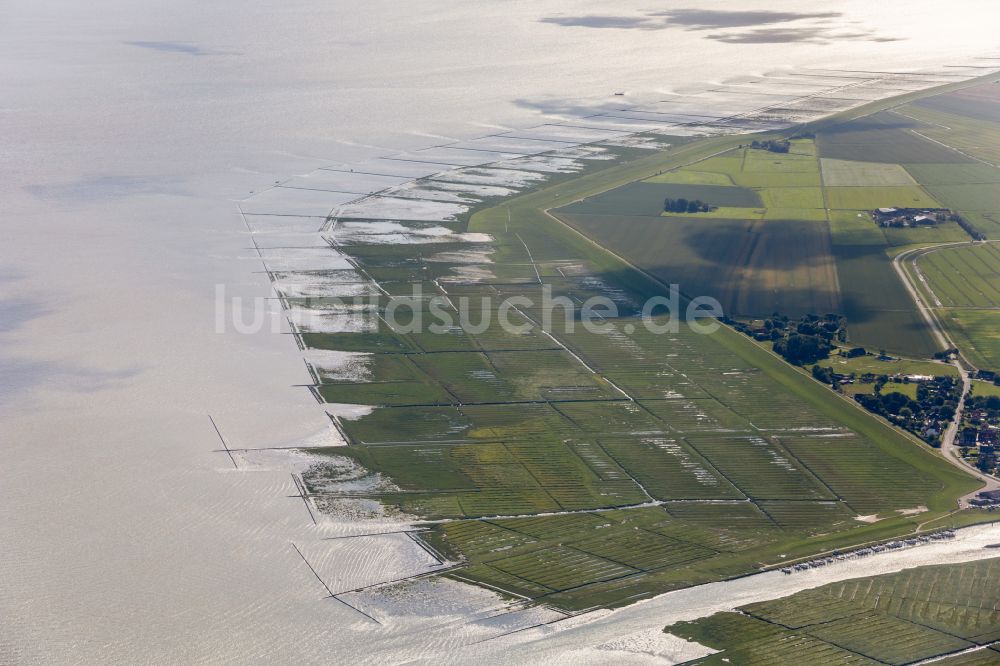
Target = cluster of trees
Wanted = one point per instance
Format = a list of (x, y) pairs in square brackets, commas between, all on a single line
[(773, 145), (800, 349), (989, 404), (927, 416), (686, 206), (974, 233), (801, 342)]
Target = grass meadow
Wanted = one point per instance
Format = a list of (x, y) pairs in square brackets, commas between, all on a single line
[(902, 618)]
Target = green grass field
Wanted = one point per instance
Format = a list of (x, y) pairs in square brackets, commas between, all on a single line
[(975, 137), (982, 388), (970, 189), (844, 173), (964, 282), (771, 255), (750, 267), (879, 311), (884, 138), (969, 121), (870, 198), (646, 198), (943, 232), (852, 227), (901, 618), (977, 334), (692, 177), (964, 276), (822, 252), (865, 364)]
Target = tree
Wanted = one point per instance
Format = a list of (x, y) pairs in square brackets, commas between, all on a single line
[(800, 349), (822, 374), (683, 205)]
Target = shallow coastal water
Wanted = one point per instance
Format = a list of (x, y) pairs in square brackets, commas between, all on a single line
[(129, 129)]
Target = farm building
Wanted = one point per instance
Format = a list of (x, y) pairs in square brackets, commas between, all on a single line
[(909, 217)]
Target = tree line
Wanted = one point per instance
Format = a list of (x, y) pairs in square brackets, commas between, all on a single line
[(683, 205)]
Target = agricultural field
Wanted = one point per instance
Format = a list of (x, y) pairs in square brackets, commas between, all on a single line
[(807, 245), (845, 173), (850, 227), (750, 267), (646, 198), (970, 189), (967, 120), (692, 177), (769, 254), (964, 276), (884, 138), (977, 334), (581, 467), (902, 618), (985, 389), (870, 198), (981, 102), (964, 287), (894, 366), (943, 232), (971, 127), (661, 459)]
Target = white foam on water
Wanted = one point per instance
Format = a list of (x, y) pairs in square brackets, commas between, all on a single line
[(568, 134), (348, 411), (304, 259), (446, 156), (305, 285), (340, 365), (418, 190), (390, 208), (543, 163), (641, 142), (586, 153), (312, 320), (469, 274), (469, 189), (486, 176), (501, 144), (280, 460)]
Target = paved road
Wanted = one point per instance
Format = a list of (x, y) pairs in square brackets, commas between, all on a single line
[(949, 449)]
